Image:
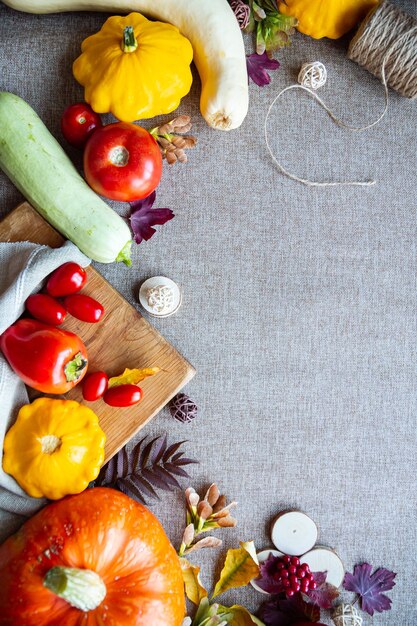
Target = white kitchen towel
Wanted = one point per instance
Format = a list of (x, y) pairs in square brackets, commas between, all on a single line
[(23, 268)]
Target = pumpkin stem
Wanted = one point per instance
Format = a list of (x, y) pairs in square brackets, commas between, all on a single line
[(129, 43), (75, 367), (81, 588)]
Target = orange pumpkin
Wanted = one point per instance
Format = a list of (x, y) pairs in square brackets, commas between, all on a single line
[(94, 559)]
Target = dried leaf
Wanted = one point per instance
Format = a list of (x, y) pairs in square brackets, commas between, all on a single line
[(133, 377), (143, 217), (239, 568), (141, 470), (369, 587), (193, 587)]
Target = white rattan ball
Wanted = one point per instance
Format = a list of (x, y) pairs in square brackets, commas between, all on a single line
[(312, 75), (346, 615)]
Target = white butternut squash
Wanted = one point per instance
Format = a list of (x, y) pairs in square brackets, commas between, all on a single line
[(214, 33)]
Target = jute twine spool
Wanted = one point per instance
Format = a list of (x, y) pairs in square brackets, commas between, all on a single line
[(385, 45)]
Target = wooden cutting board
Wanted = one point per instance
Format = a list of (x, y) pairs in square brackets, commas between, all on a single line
[(123, 338)]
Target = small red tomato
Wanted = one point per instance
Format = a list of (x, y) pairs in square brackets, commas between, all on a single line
[(78, 122), (123, 162), (45, 309), (84, 308), (67, 279), (123, 395), (95, 386)]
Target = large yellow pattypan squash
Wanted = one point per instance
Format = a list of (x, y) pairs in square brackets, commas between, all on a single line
[(134, 68), (54, 448), (326, 18)]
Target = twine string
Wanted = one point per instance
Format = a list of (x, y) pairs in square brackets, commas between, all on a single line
[(386, 20)]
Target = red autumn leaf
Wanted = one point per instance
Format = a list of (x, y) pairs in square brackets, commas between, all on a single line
[(369, 587), (324, 594), (288, 611)]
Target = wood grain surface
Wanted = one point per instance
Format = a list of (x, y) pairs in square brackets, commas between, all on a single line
[(122, 339)]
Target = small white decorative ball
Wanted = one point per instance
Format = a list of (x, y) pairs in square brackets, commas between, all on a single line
[(312, 75), (346, 615)]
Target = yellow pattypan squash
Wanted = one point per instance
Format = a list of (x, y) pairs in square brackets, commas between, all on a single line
[(54, 448), (326, 18), (134, 68)]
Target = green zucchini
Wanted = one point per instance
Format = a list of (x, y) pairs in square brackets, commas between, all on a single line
[(40, 169)]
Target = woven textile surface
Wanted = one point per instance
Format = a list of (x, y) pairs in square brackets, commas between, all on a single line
[(299, 308)]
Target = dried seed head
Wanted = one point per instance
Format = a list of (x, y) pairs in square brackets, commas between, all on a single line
[(227, 522), (204, 510), (207, 542), (188, 535), (170, 157), (212, 494), (180, 122), (190, 141), (181, 156), (178, 141), (192, 497)]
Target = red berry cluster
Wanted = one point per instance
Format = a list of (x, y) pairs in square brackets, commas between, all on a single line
[(293, 576)]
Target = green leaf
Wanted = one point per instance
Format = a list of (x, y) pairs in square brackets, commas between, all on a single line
[(239, 616), (193, 587), (240, 566)]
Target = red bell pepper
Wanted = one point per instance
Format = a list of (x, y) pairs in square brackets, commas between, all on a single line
[(46, 358)]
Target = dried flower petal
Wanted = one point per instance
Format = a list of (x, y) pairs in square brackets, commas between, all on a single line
[(220, 504)]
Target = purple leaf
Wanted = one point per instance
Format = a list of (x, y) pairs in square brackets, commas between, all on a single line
[(266, 581), (369, 587), (257, 65), (143, 217), (324, 594), (287, 611)]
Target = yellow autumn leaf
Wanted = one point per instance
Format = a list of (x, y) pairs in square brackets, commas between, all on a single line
[(193, 587), (133, 377), (240, 566)]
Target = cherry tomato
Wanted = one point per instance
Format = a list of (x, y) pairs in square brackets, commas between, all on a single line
[(78, 122), (84, 308), (123, 162), (95, 386), (67, 279), (123, 395), (45, 309)]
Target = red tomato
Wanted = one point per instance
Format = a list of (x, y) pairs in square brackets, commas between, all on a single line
[(122, 162), (84, 308), (67, 279), (123, 395), (78, 122), (46, 309), (95, 386)]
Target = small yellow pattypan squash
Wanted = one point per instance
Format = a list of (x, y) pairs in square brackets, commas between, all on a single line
[(326, 18), (134, 68), (54, 448)]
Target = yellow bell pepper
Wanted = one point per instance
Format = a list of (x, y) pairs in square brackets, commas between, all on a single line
[(55, 448), (134, 68), (326, 18)]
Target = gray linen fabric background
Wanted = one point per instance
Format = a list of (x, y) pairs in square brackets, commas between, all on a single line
[(299, 305)]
